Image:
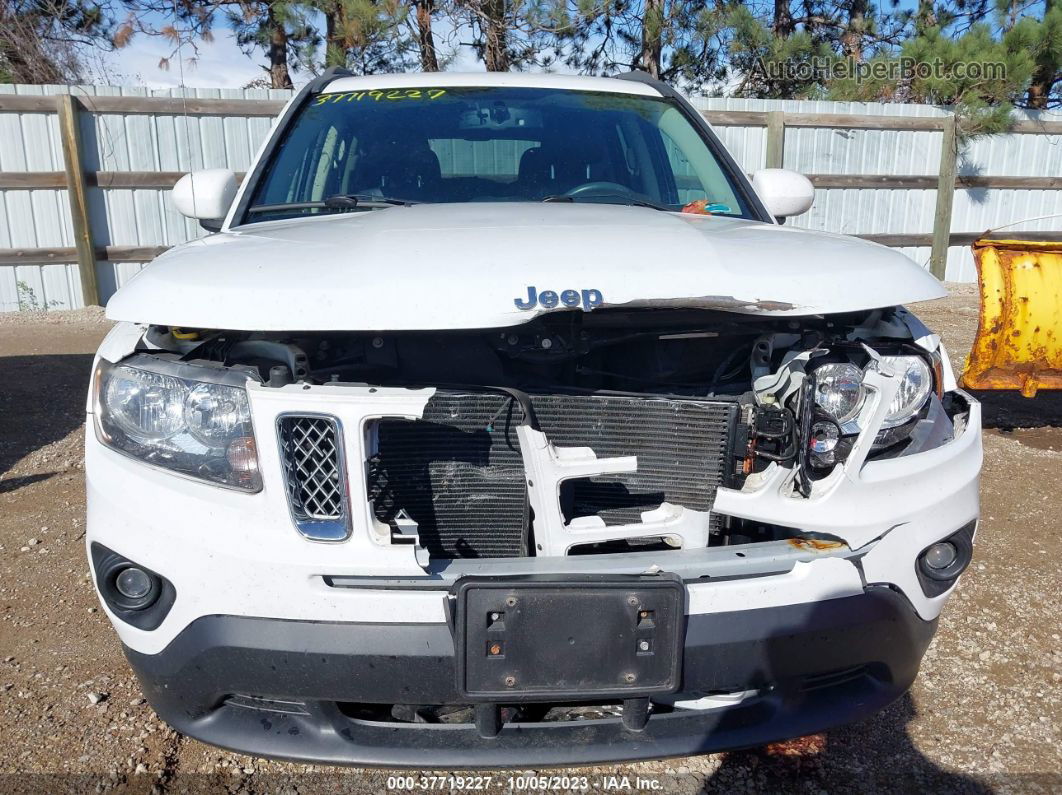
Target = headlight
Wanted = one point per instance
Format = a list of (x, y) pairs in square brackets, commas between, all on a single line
[(180, 417), (839, 391), (840, 395), (916, 382), (145, 405)]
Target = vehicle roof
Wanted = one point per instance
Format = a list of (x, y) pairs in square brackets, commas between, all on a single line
[(501, 79)]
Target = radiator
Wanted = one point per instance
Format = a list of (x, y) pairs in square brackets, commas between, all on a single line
[(458, 473)]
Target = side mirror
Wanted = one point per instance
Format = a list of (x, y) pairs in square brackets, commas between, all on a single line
[(783, 192), (205, 195)]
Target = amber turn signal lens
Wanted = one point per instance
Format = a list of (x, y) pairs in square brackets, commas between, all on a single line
[(242, 456)]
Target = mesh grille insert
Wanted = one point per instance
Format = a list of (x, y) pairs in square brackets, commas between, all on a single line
[(310, 452)]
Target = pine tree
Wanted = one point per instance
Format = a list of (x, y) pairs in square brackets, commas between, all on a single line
[(1042, 38), (427, 49), (673, 40), (40, 39), (367, 36), (282, 30), (768, 63), (975, 74), (510, 34)]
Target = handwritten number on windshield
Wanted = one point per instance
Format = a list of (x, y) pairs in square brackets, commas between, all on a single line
[(376, 96)]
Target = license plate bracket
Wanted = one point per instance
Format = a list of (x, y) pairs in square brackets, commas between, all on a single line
[(544, 638)]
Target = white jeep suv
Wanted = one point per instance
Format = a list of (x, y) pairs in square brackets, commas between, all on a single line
[(503, 423)]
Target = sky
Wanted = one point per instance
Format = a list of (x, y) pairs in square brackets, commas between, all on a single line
[(221, 64)]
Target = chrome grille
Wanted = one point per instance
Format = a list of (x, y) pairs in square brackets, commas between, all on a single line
[(312, 456)]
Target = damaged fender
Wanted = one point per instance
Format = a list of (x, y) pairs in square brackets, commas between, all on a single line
[(892, 508)]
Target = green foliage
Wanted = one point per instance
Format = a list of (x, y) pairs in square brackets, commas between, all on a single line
[(1042, 40), (975, 74), (978, 58), (28, 301), (367, 36), (282, 29), (773, 67), (678, 40)]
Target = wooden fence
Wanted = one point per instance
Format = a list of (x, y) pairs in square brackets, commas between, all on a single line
[(77, 180)]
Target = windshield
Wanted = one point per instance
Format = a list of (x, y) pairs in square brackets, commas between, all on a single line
[(370, 149)]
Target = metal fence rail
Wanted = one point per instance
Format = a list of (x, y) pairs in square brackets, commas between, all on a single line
[(131, 154), (95, 145)]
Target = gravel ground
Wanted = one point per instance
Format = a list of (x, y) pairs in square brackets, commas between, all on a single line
[(984, 715)]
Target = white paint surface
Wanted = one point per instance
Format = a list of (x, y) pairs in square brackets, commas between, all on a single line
[(450, 266)]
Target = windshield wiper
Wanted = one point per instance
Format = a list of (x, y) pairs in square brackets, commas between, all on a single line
[(632, 201), (340, 201), (351, 200)]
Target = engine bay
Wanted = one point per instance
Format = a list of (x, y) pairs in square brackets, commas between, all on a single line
[(677, 352)]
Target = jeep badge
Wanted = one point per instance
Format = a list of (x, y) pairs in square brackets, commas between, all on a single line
[(548, 299)]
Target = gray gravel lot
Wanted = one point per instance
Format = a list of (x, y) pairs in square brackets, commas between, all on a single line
[(984, 715)]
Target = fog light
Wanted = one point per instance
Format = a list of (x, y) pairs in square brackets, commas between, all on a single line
[(134, 593), (939, 565), (940, 556), (133, 583)]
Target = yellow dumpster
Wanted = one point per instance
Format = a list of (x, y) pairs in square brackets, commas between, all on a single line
[(1019, 335)]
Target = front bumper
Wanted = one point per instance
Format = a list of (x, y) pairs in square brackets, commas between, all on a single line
[(272, 638), (229, 553), (286, 688)]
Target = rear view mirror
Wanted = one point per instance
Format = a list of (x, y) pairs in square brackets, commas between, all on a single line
[(783, 192), (205, 195)]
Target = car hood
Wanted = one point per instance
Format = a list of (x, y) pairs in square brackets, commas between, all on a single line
[(449, 266)]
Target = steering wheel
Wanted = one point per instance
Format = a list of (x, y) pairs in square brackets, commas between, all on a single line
[(600, 186)]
